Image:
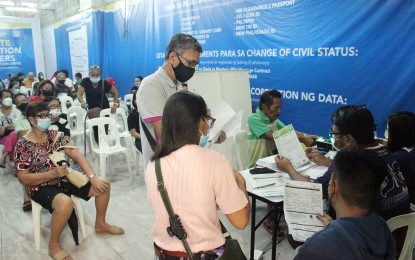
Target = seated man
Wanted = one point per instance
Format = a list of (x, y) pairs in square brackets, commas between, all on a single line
[(264, 122), (353, 127), (358, 232)]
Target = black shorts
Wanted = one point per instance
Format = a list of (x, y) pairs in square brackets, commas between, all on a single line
[(45, 195)]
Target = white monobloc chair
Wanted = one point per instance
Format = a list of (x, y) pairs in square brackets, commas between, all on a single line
[(402, 221), (242, 150), (64, 99), (128, 99), (37, 219), (76, 119), (120, 118), (109, 144)]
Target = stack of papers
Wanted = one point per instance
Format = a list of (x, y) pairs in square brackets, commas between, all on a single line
[(269, 162), (270, 185)]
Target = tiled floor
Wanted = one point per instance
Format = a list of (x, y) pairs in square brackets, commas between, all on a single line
[(128, 208)]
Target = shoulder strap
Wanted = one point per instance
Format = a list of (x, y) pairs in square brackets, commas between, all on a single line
[(175, 224), (150, 138)]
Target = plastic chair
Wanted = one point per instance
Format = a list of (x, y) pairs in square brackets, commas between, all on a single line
[(402, 221), (64, 99), (37, 219), (76, 118), (120, 118), (242, 150), (129, 99), (109, 144)]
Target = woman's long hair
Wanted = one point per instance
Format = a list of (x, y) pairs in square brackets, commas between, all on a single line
[(401, 128), (180, 123)]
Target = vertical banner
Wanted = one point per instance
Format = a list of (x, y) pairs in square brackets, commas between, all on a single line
[(16, 49)]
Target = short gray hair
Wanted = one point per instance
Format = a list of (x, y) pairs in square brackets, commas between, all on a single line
[(182, 42)]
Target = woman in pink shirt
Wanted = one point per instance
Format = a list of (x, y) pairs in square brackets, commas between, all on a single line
[(198, 181)]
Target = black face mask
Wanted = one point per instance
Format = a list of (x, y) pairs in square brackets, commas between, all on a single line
[(61, 81), (47, 93), (40, 79), (22, 107), (182, 72)]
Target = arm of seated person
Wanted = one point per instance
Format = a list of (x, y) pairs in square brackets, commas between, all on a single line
[(268, 135), (240, 218), (284, 164), (135, 134), (308, 140), (32, 179), (316, 157)]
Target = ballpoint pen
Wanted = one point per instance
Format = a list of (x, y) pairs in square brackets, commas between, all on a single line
[(266, 185)]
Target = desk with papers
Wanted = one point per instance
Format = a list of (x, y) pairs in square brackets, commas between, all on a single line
[(269, 188)]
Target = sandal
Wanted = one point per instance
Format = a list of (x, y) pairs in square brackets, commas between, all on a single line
[(113, 230), (270, 229), (62, 255), (27, 206)]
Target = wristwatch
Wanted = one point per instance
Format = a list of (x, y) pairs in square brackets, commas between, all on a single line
[(91, 176)]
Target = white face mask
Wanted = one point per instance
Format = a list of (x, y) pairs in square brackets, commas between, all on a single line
[(95, 80), (55, 112), (332, 140), (8, 102)]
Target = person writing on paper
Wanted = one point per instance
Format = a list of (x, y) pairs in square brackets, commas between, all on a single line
[(46, 183), (264, 122), (358, 232), (352, 126), (198, 181)]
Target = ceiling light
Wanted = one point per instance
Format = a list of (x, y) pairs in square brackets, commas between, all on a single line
[(7, 3), (21, 9)]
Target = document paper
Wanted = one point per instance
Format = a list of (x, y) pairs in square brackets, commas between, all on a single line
[(289, 146), (302, 202), (226, 120)]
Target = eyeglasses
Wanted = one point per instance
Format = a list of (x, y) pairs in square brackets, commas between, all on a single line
[(44, 115), (54, 107), (191, 63), (94, 67), (209, 120), (332, 134)]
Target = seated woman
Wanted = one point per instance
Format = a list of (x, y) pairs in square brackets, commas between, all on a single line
[(134, 124), (401, 141), (198, 180), (8, 136), (46, 182), (45, 89), (58, 119)]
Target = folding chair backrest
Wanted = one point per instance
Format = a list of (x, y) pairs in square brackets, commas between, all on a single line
[(128, 99)]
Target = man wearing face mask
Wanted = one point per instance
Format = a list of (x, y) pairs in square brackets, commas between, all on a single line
[(353, 127), (8, 136), (358, 232), (181, 58)]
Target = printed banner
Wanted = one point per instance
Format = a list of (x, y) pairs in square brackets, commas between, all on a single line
[(16, 49), (320, 55)]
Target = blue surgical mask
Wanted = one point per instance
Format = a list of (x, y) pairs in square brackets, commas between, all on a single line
[(43, 124), (16, 91), (203, 139), (95, 80)]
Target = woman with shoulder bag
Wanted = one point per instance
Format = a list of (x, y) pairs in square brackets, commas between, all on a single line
[(198, 182), (47, 184)]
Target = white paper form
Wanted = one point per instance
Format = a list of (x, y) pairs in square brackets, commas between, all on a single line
[(226, 120), (303, 201), (289, 146)]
